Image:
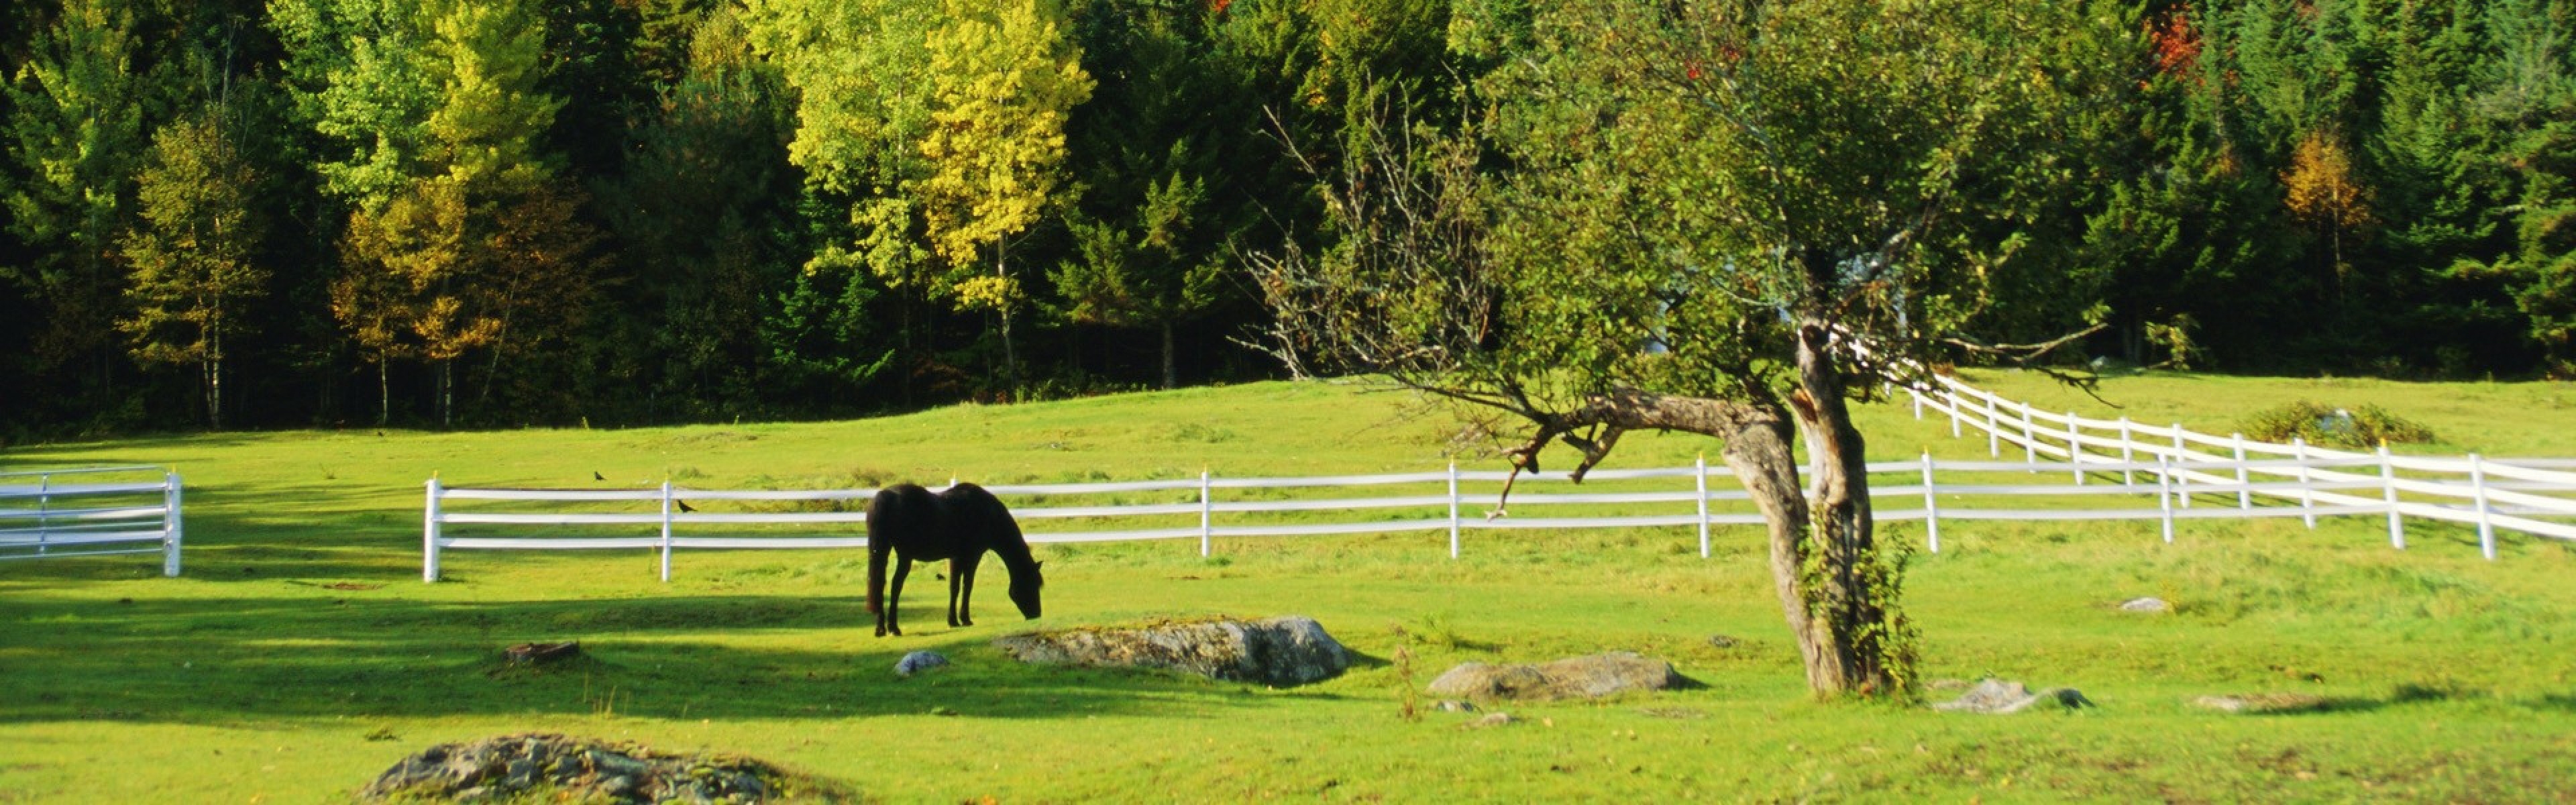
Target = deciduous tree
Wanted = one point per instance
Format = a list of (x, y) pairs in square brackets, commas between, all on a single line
[(1788, 200), (193, 252)]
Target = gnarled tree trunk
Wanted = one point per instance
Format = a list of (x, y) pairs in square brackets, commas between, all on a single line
[(1837, 590)]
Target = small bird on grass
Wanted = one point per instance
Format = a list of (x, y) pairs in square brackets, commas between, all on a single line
[(684, 506), (595, 476)]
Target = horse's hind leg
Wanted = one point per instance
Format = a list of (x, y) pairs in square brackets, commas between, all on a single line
[(877, 555), (894, 597)]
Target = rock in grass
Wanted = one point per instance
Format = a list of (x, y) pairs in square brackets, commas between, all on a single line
[(1587, 677), (1491, 720), (580, 770), (541, 653), (1454, 706), (917, 662), (1998, 697), (2148, 604), (2262, 703), (1281, 651)]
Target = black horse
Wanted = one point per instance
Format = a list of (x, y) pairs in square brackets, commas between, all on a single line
[(958, 524)]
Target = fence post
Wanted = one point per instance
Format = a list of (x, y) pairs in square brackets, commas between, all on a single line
[(2182, 483), (666, 530), (1931, 506), (2388, 488), (1453, 510), (171, 525), (1918, 403), (2074, 449), (1994, 430), (1953, 398), (2244, 495), (429, 535), (1207, 536), (2486, 522), (2128, 454), (2307, 502), (2164, 493), (44, 510), (2029, 442), (1699, 472)]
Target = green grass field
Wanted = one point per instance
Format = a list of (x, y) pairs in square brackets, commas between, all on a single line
[(301, 654)]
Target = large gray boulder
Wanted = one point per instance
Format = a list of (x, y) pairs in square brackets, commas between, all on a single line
[(581, 770), (1587, 677), (1281, 651)]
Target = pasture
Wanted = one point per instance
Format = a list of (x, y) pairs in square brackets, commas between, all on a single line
[(301, 654)]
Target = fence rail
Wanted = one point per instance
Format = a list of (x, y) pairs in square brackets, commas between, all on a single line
[(2311, 486), (2486, 503), (93, 513)]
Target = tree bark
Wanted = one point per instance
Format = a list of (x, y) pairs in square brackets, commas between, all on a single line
[(1171, 374), (1862, 642), (1836, 591), (1010, 358), (384, 394)]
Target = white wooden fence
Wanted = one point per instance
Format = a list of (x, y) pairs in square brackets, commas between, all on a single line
[(2488, 493), (90, 511), (2316, 485)]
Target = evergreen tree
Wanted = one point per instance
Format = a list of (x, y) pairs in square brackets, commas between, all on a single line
[(76, 128)]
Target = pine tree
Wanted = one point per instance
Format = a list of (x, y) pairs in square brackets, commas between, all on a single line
[(78, 138)]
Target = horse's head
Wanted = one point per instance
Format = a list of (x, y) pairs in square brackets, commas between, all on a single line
[(1024, 589)]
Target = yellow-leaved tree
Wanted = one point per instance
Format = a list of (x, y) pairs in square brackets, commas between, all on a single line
[(2322, 193), (1003, 78)]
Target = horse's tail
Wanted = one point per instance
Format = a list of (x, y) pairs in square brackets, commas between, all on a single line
[(880, 542)]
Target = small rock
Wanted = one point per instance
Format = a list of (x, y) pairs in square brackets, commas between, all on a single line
[(1722, 641), (1998, 697), (1586, 677), (1673, 712), (2262, 703), (1454, 706), (1491, 720), (542, 653), (917, 662), (2148, 604)]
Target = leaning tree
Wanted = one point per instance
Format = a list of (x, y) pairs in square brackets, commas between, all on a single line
[(1726, 217)]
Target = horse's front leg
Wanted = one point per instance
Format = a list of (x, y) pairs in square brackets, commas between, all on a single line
[(954, 582), (894, 597), (963, 570)]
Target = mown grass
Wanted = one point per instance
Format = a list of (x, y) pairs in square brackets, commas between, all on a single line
[(301, 654)]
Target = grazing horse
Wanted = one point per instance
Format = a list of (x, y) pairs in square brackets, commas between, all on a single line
[(958, 524)]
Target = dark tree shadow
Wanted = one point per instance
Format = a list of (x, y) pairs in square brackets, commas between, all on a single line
[(221, 659)]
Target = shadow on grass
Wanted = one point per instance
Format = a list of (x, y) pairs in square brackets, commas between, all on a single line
[(217, 660)]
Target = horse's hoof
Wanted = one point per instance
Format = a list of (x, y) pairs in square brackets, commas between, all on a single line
[(965, 622)]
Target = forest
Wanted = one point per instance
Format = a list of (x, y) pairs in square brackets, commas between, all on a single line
[(224, 214)]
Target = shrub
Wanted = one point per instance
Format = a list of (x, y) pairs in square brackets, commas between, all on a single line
[(2359, 428)]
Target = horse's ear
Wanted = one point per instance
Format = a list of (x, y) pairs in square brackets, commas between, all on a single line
[(1041, 565)]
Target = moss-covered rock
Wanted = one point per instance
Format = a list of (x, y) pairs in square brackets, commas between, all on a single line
[(1282, 651)]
